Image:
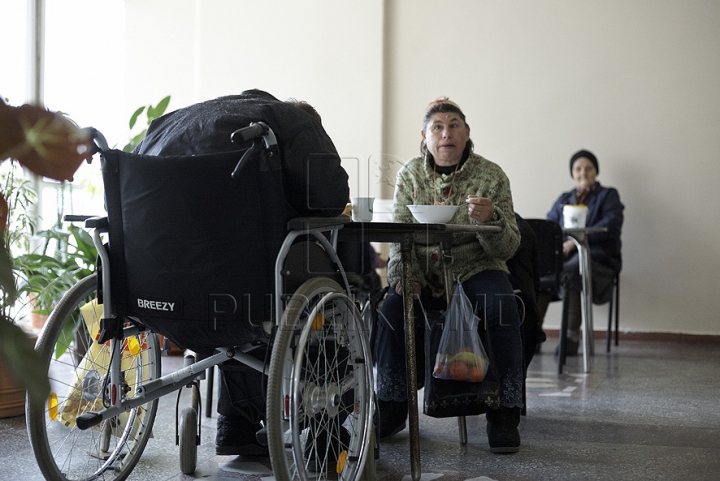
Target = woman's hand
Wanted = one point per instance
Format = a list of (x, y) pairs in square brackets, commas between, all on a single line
[(416, 289), (480, 208), (568, 248)]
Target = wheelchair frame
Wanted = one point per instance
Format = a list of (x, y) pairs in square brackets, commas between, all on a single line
[(294, 403)]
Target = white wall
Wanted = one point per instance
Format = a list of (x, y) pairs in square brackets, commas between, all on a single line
[(635, 81), (327, 53)]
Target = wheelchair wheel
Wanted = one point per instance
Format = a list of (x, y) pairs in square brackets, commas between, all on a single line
[(188, 440), (77, 367), (320, 387)]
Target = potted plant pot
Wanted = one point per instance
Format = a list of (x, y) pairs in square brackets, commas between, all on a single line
[(12, 398)]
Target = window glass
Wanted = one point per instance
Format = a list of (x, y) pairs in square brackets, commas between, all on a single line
[(84, 78), (14, 51)]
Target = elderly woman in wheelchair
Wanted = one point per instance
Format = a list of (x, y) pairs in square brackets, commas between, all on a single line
[(199, 245)]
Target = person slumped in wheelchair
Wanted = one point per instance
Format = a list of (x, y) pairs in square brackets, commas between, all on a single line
[(312, 184), (449, 172)]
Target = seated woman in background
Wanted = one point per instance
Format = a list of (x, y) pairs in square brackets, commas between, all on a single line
[(449, 172), (604, 210)]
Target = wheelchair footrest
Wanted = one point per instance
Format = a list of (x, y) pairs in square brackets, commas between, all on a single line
[(88, 420)]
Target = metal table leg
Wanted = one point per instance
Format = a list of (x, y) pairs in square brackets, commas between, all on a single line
[(408, 298), (586, 299)]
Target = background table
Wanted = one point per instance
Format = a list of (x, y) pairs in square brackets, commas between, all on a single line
[(579, 236)]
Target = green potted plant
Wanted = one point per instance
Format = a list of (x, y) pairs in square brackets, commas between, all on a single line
[(151, 113), (17, 229), (49, 145), (44, 276)]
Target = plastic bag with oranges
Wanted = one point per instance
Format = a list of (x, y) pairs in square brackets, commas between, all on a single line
[(461, 355)]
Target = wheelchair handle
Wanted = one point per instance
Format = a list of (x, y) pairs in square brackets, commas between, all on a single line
[(99, 142), (252, 131), (243, 160)]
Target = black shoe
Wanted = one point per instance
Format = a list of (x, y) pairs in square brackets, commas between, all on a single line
[(236, 437), (322, 456), (571, 348), (502, 430), (390, 418)]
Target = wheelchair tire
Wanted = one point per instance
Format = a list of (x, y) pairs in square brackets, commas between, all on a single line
[(187, 433), (110, 450), (320, 387)]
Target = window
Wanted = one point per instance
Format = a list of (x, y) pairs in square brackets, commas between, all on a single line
[(84, 65)]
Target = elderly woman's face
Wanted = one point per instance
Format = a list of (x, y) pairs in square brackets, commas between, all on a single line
[(446, 136), (583, 172)]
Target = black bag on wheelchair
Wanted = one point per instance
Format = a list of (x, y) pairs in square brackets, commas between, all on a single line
[(192, 250), (450, 398)]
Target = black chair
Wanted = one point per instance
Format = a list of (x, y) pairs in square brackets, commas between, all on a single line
[(614, 303), (549, 237)]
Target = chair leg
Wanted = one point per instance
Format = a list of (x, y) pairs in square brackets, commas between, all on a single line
[(614, 303), (462, 428), (209, 393), (563, 335), (610, 322), (617, 309)]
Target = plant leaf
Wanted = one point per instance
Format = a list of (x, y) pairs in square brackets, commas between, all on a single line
[(135, 115), (158, 110), (23, 362), (67, 334), (7, 280), (138, 138)]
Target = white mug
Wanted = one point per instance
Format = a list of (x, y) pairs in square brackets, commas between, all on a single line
[(574, 216), (362, 208)]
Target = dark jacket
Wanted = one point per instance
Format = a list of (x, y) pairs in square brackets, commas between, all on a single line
[(604, 210), (315, 183), (524, 276), (227, 232)]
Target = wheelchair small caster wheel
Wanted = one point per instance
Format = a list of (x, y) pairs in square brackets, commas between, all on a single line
[(188, 440)]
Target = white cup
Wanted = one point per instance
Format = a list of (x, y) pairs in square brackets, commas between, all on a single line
[(574, 216), (362, 208)]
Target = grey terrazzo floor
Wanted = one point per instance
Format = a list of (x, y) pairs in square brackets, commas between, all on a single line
[(647, 411)]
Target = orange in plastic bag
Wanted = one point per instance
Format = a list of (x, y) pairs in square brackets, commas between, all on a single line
[(461, 356)]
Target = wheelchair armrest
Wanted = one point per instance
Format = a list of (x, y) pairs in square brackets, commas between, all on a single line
[(91, 221), (303, 223), (100, 223)]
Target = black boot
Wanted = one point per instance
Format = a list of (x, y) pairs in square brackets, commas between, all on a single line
[(236, 437), (502, 430)]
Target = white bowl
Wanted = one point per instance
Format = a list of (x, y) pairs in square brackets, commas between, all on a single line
[(433, 214)]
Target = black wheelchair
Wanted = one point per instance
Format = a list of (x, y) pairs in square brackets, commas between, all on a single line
[(172, 262)]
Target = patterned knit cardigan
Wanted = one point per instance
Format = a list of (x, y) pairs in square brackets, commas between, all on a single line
[(472, 253)]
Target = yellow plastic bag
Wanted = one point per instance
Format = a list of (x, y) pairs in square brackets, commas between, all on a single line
[(93, 367)]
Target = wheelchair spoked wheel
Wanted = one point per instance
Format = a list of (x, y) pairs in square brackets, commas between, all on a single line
[(320, 387), (77, 367)]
